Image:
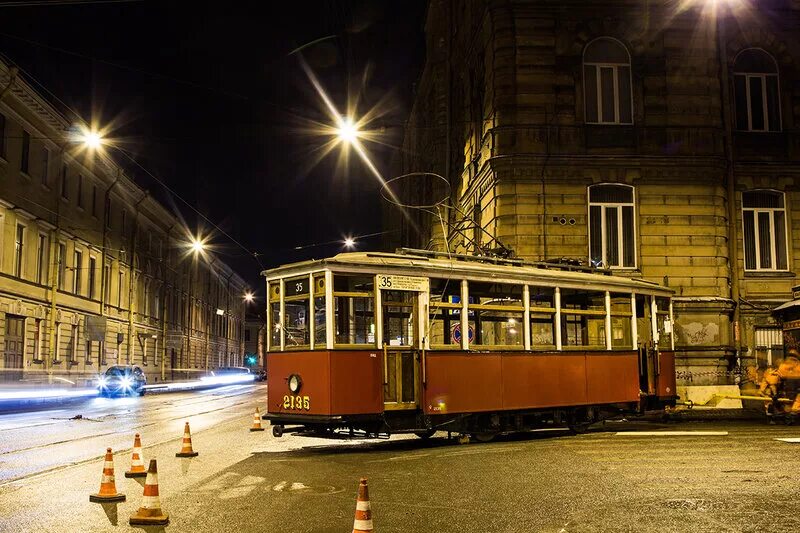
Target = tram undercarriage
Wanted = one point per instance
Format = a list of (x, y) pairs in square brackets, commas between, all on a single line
[(481, 426)]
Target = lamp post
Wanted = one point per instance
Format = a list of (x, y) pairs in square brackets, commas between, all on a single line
[(196, 248)]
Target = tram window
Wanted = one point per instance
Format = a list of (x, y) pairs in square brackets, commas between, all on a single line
[(496, 314), (445, 313), (399, 317), (621, 321), (296, 307), (644, 327), (583, 318), (543, 332), (354, 302), (275, 315), (320, 325), (662, 323)]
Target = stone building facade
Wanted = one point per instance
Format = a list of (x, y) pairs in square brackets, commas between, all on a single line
[(660, 139), (93, 270)]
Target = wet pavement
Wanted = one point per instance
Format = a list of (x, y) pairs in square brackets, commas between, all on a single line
[(552, 481)]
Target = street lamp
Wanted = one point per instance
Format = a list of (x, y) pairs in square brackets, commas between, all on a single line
[(347, 130), (197, 246), (92, 140), (349, 243), (248, 297)]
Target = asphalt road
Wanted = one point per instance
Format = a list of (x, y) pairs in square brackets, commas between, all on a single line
[(553, 482)]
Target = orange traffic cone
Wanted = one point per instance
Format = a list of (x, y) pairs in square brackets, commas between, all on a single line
[(150, 512), (186, 449), (137, 464), (257, 421), (363, 520), (108, 489)]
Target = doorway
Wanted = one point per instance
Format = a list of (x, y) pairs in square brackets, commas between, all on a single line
[(14, 346), (401, 342)]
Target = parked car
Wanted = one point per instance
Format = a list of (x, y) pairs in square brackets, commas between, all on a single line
[(122, 380), (261, 374)]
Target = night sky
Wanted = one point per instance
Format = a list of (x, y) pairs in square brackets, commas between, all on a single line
[(206, 96)]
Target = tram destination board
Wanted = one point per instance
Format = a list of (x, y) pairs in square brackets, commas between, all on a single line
[(402, 283)]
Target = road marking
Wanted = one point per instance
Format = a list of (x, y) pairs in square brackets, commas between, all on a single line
[(279, 487), (792, 440), (671, 433)]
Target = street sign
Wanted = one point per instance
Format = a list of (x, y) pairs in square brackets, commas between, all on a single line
[(456, 333)]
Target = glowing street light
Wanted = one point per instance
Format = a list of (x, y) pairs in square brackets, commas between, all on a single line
[(350, 242), (197, 246), (248, 297), (347, 130), (92, 140)]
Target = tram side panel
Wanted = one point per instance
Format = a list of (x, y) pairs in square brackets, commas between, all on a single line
[(543, 380), (461, 383), (666, 379)]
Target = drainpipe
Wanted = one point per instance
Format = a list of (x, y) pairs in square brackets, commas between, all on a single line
[(132, 278), (730, 182)]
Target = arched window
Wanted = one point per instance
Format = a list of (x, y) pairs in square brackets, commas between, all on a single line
[(607, 82), (764, 220), (755, 81), (612, 241)]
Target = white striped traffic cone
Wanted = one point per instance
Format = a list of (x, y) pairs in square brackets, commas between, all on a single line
[(363, 519), (108, 489), (186, 448), (150, 512), (257, 421), (137, 463)]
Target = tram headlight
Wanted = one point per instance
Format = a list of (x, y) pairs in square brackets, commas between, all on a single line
[(295, 383)]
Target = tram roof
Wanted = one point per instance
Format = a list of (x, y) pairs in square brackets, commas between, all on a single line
[(478, 269)]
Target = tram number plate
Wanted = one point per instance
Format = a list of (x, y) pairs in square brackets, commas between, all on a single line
[(297, 403)]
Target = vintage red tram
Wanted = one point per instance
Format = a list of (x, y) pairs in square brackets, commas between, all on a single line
[(419, 341)]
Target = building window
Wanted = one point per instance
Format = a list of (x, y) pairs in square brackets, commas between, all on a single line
[(45, 167), (247, 335), (124, 224), (119, 288), (19, 244), (62, 264), (78, 277), (94, 201), (25, 161), (37, 340), (72, 345), (107, 281), (3, 136), (80, 190), (107, 213), (41, 260), (607, 82), (612, 235), (764, 217), (92, 277), (768, 346), (64, 183), (755, 82)]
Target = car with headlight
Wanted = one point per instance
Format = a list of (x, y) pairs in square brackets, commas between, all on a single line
[(122, 380)]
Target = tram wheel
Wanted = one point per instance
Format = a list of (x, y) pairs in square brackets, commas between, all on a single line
[(277, 431), (425, 435), (485, 436)]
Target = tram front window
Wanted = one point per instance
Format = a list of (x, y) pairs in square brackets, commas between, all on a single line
[(297, 313), (354, 302)]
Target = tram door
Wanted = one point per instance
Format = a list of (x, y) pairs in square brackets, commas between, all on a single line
[(400, 318)]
